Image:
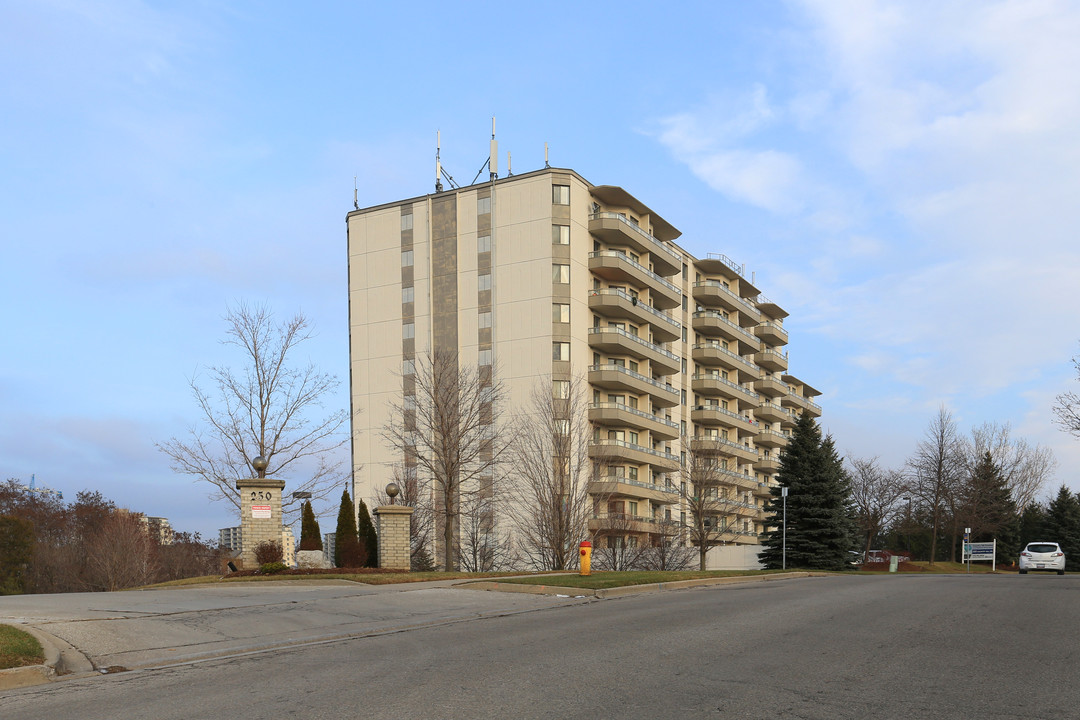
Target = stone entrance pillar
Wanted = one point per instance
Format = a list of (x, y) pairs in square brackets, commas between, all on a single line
[(260, 512), (394, 547)]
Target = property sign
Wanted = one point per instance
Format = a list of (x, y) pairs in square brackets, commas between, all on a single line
[(260, 511), (984, 552)]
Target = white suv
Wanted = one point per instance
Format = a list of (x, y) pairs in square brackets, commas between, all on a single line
[(1042, 556)]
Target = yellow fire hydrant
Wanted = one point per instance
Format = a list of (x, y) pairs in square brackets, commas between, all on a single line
[(586, 557)]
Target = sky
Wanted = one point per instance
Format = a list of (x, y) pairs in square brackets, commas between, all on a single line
[(901, 177)]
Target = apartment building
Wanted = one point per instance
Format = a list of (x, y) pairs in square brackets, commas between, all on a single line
[(545, 275)]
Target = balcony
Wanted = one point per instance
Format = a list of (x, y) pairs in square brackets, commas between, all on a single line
[(771, 333), (617, 229), (716, 415), (624, 523), (612, 302), (620, 450), (771, 387), (768, 464), (771, 412), (772, 360), (619, 415), (715, 294), (713, 353), (621, 342), (710, 322), (771, 439), (709, 384), (612, 486), (720, 446), (800, 404), (615, 265), (617, 377), (730, 477)]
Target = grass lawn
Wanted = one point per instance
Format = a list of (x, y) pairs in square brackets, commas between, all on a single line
[(371, 578), (18, 648), (603, 580), (939, 567)]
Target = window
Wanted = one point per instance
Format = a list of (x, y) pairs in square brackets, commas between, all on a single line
[(483, 282), (633, 507), (560, 194), (684, 334), (616, 399), (407, 257), (560, 389), (560, 351), (560, 312), (410, 402), (632, 402), (485, 357), (408, 331), (485, 319), (560, 273), (632, 473), (560, 234), (406, 222), (407, 294), (408, 367), (483, 206), (483, 244)]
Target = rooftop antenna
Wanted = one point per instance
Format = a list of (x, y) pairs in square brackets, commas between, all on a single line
[(493, 156), (546, 163), (509, 172), (355, 202), (438, 162)]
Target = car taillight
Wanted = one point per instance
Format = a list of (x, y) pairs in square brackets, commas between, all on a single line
[(1057, 554), (1026, 554)]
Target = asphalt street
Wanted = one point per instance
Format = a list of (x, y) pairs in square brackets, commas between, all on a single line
[(979, 646)]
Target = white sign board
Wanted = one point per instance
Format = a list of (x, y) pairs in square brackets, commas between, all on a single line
[(261, 512), (981, 552)]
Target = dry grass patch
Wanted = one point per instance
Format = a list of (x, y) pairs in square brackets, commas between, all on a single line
[(604, 580)]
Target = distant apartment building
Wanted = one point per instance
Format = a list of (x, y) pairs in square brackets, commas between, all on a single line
[(158, 528), (545, 275), (231, 538)]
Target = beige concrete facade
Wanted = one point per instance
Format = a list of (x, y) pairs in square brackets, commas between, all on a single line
[(544, 275)]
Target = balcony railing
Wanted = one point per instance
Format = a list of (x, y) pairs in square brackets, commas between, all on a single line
[(639, 448), (752, 339), (723, 442), (675, 257), (638, 483), (775, 326), (724, 411), (749, 308), (638, 302), (808, 401), (635, 375), (727, 382), (634, 411), (641, 341), (727, 261), (720, 348), (639, 266)]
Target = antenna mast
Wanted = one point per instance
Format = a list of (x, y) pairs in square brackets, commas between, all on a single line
[(493, 155), (438, 162), (546, 163), (355, 202)]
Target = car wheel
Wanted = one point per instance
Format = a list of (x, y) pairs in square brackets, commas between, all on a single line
[(1061, 572), (1023, 572)]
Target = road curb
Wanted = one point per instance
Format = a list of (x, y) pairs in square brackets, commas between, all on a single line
[(60, 659), (602, 593)]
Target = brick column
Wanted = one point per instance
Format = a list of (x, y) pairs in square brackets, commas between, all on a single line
[(394, 547), (260, 516)]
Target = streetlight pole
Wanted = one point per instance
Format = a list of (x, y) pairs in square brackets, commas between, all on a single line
[(783, 494)]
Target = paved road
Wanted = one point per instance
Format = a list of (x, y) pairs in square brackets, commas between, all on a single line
[(977, 646)]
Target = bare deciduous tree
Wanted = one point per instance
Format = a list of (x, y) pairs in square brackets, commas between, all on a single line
[(938, 470), (708, 496), (484, 547), (669, 550), (263, 409), (120, 553), (620, 547), (549, 474), (876, 493), (1067, 407), (1024, 468), (447, 424)]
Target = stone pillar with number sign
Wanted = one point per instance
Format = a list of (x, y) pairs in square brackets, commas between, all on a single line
[(260, 513)]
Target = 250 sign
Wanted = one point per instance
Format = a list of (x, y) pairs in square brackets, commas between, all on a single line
[(261, 496)]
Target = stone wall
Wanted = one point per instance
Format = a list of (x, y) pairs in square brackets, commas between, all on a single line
[(260, 516), (394, 548)]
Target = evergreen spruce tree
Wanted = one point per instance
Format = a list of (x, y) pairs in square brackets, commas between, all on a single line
[(310, 535), (820, 521), (365, 530), (1032, 524), (991, 510), (347, 551), (1063, 526)]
